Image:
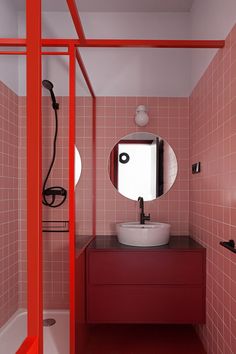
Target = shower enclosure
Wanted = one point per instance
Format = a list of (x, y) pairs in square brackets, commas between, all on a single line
[(34, 246)]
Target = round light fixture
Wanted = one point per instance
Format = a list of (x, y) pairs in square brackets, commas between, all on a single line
[(141, 117)]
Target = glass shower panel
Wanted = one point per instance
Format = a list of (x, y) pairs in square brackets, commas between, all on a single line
[(55, 173)]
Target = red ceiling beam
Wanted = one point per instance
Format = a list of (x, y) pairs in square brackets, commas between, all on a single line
[(135, 43), (152, 43), (60, 42), (76, 19), (12, 42), (85, 73), (12, 53), (118, 43)]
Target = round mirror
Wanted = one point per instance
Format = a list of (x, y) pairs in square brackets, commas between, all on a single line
[(78, 166), (142, 165)]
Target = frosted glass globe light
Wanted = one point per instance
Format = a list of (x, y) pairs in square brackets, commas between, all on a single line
[(141, 117)]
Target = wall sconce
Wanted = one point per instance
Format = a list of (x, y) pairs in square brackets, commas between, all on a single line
[(141, 117)]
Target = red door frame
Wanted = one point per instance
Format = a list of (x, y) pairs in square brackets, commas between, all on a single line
[(34, 342)]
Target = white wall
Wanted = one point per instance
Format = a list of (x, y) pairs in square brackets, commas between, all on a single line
[(210, 19), (138, 72), (54, 68), (121, 72), (8, 29), (128, 72)]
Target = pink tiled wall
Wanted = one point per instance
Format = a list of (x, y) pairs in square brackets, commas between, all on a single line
[(83, 191), (8, 203), (169, 118), (56, 245), (213, 192), (22, 254)]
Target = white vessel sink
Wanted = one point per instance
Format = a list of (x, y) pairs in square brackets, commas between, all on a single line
[(149, 234)]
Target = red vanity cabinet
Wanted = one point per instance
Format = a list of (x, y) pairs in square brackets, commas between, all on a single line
[(145, 285)]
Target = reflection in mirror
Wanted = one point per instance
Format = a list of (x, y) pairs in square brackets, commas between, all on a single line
[(142, 165), (78, 166)]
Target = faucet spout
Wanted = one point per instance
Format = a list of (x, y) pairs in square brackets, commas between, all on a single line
[(143, 217)]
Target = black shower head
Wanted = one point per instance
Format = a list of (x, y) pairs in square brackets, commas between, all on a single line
[(49, 86)]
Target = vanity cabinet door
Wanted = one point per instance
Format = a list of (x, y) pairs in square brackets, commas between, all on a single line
[(145, 267), (146, 286), (145, 304)]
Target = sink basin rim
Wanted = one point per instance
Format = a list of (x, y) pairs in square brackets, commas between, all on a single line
[(143, 235)]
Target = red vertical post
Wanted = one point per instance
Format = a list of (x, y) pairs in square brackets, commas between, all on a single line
[(34, 172), (72, 94), (94, 164)]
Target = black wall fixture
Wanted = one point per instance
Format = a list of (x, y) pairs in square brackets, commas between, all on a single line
[(196, 168), (124, 157), (230, 245)]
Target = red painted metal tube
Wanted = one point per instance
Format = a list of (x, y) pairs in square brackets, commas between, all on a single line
[(134, 43), (94, 186), (60, 42), (72, 94), (76, 19), (25, 53), (12, 42), (34, 172), (118, 43), (12, 53), (146, 43), (29, 346), (55, 53), (84, 72)]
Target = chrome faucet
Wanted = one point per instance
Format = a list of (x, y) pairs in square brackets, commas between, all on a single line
[(143, 217)]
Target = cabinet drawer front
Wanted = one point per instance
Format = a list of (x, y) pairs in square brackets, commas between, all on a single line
[(145, 267), (145, 304)]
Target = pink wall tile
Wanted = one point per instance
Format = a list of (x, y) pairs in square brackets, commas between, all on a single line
[(212, 193), (169, 118), (8, 203), (56, 245)]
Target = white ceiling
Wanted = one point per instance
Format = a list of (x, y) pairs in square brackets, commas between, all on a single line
[(120, 72), (116, 5)]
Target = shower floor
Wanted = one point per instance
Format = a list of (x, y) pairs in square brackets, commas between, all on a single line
[(56, 337)]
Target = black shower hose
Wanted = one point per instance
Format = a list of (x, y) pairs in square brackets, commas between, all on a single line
[(55, 191)]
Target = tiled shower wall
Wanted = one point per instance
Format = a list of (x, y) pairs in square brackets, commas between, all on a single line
[(8, 203), (56, 244), (213, 192), (169, 118)]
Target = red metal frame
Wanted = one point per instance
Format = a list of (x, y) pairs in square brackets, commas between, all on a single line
[(34, 174), (146, 43), (29, 346), (94, 158), (72, 94), (76, 18), (118, 43), (12, 53)]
